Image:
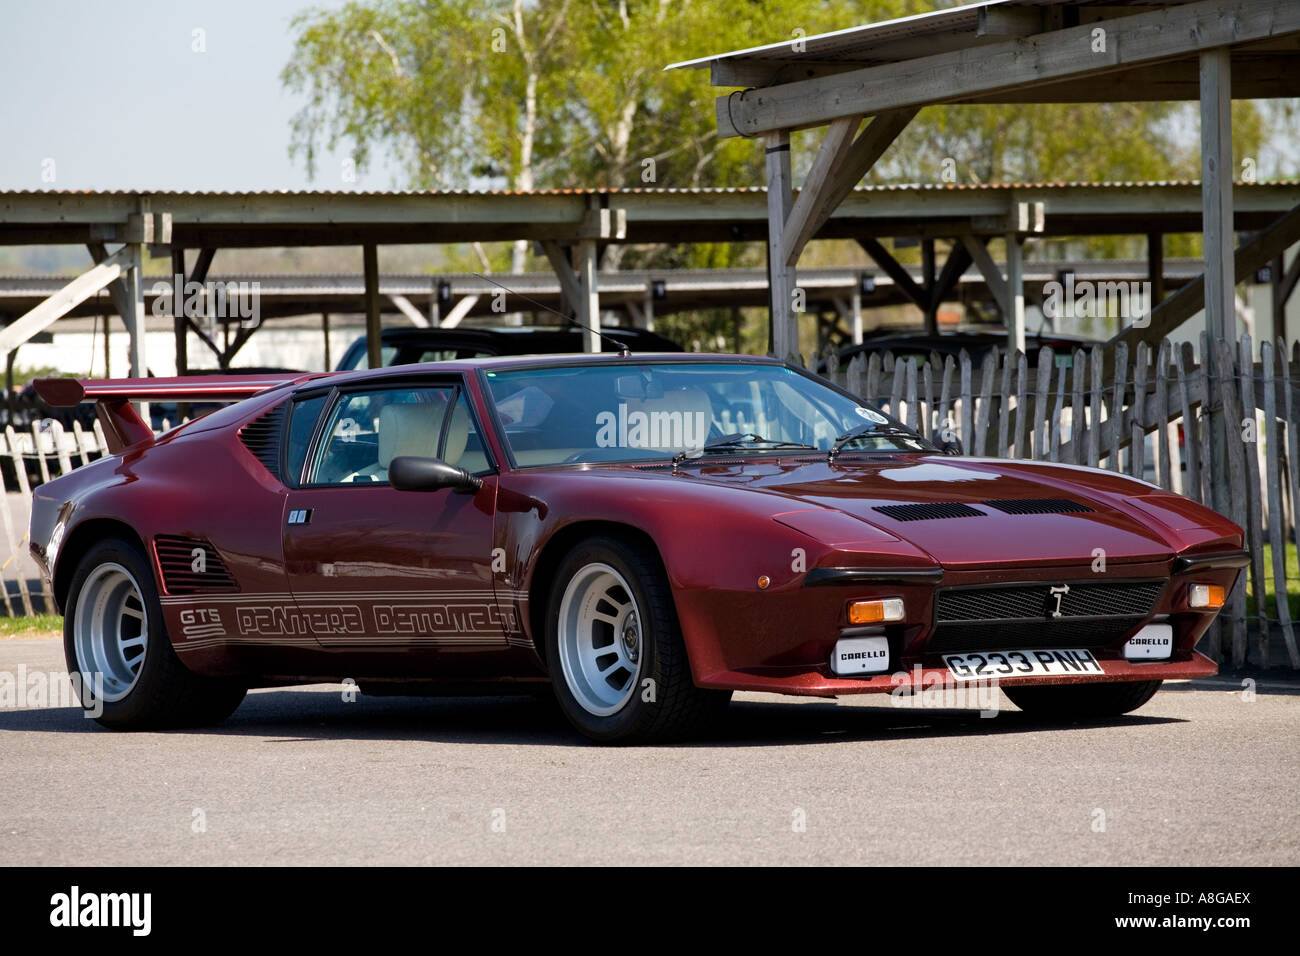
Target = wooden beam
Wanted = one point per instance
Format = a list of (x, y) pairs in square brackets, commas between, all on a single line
[(1190, 299), (902, 278), (418, 318), (958, 261), (562, 266), (73, 294), (993, 278), (1054, 56), (459, 311), (810, 210), (846, 164)]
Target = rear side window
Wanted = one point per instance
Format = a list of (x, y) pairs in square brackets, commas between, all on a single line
[(302, 423)]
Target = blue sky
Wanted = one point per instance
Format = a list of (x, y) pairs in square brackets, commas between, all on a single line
[(115, 95)]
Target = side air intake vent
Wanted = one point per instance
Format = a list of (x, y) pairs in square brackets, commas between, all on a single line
[(191, 566), (930, 511), (262, 435), (1038, 506)]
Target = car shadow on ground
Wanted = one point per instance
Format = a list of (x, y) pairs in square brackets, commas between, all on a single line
[(283, 716)]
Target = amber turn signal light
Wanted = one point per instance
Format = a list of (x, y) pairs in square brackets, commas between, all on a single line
[(879, 611), (1205, 595)]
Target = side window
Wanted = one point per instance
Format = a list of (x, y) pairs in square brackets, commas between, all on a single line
[(301, 425), (365, 431)]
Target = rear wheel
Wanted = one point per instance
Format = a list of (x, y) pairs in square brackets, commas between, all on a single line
[(614, 648), (1083, 700), (114, 638)]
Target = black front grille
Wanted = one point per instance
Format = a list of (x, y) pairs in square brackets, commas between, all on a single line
[(929, 511), (1037, 506), (954, 639), (1035, 601), (1091, 614), (262, 436), (185, 572)]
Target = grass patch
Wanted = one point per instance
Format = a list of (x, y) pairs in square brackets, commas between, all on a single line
[(1292, 584), (37, 625)]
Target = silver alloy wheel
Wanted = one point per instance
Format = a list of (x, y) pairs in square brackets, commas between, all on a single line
[(110, 631), (600, 639)]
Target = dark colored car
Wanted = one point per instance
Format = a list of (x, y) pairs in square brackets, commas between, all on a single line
[(406, 346), (977, 344), (647, 534)]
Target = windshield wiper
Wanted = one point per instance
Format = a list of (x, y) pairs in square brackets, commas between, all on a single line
[(861, 431), (737, 440)]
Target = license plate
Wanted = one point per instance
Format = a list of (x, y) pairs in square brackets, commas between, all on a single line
[(991, 665), (1153, 642), (860, 655)]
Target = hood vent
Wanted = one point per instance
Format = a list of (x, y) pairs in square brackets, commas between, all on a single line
[(929, 511), (1038, 506), (186, 572), (262, 437)]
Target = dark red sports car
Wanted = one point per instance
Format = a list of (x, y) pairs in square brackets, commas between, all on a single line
[(645, 533)]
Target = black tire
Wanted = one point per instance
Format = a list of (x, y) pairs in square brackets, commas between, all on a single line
[(670, 708), (1083, 700), (165, 693)]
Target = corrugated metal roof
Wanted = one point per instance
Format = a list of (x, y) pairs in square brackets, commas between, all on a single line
[(707, 190)]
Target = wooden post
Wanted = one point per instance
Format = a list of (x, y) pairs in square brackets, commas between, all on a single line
[(588, 304), (927, 279), (781, 277), (1156, 268), (1216, 226), (374, 347), (855, 306), (1015, 294), (134, 317), (325, 331)]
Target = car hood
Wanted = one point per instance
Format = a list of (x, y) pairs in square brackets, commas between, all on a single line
[(1082, 509)]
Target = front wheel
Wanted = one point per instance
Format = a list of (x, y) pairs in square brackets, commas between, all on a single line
[(114, 638), (614, 648), (1083, 700)]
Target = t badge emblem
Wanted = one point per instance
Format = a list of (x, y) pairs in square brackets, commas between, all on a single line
[(1057, 591)]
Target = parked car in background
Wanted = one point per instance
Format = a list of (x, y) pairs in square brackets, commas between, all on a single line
[(407, 346), (976, 343)]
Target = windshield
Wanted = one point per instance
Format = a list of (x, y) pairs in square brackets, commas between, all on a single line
[(632, 411)]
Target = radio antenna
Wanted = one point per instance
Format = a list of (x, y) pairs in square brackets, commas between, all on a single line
[(623, 350)]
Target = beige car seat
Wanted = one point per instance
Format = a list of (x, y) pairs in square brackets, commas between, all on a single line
[(414, 429), (685, 402)]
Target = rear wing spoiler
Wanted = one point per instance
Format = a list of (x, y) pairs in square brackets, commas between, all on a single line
[(122, 424)]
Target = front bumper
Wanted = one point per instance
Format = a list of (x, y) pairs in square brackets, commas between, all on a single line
[(773, 648)]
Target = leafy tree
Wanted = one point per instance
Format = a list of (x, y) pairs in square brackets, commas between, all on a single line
[(572, 93)]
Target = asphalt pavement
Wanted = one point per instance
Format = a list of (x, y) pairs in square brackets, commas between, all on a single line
[(1205, 773)]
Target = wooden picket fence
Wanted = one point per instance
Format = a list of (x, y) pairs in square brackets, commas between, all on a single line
[(29, 458), (1145, 414), (1079, 409)]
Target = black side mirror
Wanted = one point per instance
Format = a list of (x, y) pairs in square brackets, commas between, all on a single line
[(412, 473)]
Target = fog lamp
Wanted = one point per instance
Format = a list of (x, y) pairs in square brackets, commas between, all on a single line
[(878, 611), (1205, 595)]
